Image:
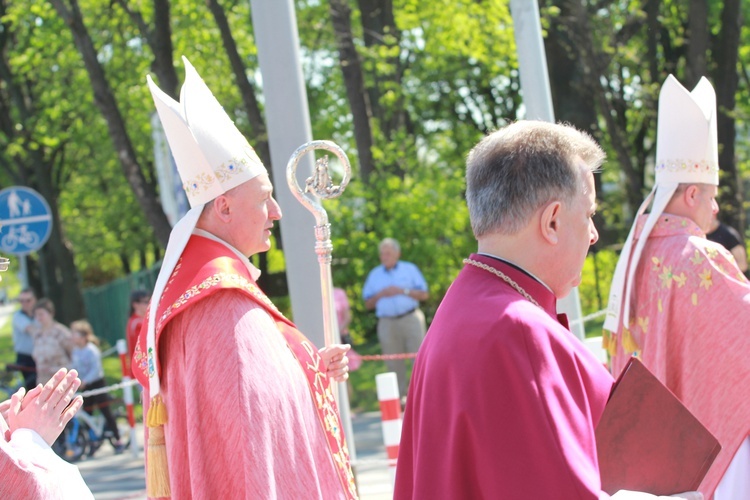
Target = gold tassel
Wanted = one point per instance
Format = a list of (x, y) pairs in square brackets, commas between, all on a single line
[(157, 481), (609, 343), (628, 342)]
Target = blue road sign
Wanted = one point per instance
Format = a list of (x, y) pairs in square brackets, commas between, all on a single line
[(25, 220)]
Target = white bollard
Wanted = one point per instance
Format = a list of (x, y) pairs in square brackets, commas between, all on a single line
[(390, 411), (127, 394)]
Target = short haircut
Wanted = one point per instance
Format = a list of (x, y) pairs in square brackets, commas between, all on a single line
[(28, 291), (514, 171), (390, 242), (681, 187), (137, 296)]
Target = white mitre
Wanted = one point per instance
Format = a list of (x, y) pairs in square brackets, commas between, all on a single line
[(686, 152), (212, 157)]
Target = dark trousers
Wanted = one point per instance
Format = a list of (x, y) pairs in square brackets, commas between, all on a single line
[(103, 402), (29, 370)]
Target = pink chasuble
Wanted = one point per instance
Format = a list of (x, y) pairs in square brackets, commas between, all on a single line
[(689, 325), (503, 399), (249, 412)]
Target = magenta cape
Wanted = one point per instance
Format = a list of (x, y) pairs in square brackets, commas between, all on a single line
[(503, 399)]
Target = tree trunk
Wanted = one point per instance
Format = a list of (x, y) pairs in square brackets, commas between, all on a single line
[(653, 28), (697, 43), (573, 104), (594, 67), (379, 28), (726, 81), (59, 275), (160, 41), (247, 90), (351, 68), (104, 99), (60, 279)]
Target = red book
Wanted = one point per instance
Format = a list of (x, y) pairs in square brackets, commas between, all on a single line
[(647, 440)]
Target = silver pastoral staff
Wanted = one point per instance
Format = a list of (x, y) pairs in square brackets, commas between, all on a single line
[(318, 186)]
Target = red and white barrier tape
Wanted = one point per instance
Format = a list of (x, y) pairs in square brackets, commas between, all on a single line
[(376, 357), (109, 388)]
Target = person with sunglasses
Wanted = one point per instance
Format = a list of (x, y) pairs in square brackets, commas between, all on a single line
[(23, 342)]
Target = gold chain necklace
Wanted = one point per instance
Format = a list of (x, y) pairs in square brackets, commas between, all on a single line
[(504, 277)]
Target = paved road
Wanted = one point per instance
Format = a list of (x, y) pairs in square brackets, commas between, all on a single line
[(120, 477)]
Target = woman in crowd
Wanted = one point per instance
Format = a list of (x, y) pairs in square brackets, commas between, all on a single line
[(53, 343)]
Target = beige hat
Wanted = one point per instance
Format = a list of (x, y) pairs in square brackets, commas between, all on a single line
[(686, 152)]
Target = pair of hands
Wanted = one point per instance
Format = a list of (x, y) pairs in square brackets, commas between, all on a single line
[(45, 410), (336, 361), (392, 290)]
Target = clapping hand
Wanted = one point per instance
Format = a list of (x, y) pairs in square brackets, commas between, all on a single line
[(47, 409)]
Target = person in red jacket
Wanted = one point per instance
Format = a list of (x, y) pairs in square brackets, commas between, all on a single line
[(138, 305)]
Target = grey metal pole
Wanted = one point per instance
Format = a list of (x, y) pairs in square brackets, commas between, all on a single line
[(288, 120), (537, 98), (23, 272)]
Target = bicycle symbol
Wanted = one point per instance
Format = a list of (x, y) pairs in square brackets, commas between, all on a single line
[(20, 236)]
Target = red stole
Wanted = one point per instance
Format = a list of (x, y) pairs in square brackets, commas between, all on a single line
[(207, 266)]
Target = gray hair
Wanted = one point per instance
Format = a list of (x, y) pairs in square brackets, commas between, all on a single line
[(390, 242), (519, 168)]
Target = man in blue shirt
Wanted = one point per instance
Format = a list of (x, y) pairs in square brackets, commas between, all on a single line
[(394, 289), (23, 343)]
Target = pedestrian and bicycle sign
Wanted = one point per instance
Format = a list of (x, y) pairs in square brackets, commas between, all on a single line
[(25, 220)]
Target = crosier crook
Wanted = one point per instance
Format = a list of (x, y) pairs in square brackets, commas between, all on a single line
[(319, 186)]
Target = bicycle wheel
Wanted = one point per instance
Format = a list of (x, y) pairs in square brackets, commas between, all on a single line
[(10, 382), (9, 241), (73, 443), (123, 427)]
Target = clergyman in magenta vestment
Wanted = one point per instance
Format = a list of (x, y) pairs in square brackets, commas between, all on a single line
[(504, 399), (690, 317)]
